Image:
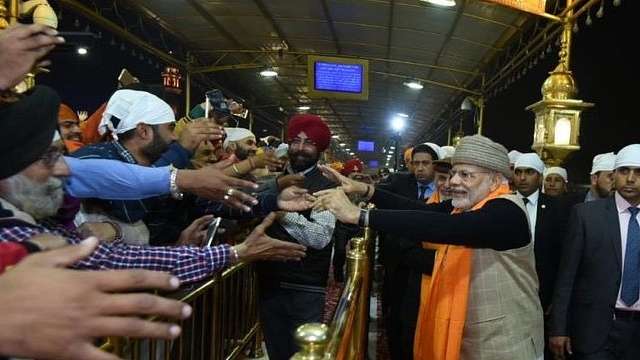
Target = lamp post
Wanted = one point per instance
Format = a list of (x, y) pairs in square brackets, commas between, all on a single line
[(557, 116)]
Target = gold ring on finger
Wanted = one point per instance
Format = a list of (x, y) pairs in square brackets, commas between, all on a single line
[(231, 191)]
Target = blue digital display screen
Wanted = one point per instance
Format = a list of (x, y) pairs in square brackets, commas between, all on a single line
[(331, 76), (373, 163), (367, 146)]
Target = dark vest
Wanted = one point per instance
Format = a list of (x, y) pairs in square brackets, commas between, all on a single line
[(310, 272)]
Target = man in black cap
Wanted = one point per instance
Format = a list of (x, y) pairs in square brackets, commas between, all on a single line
[(38, 290)]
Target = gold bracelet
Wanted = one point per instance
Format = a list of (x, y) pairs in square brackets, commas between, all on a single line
[(235, 168)]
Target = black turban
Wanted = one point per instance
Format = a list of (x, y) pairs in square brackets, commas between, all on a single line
[(27, 129)]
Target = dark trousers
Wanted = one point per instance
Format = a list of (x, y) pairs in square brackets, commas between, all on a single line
[(282, 311), (623, 343)]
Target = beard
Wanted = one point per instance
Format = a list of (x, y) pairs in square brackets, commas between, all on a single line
[(301, 160), (156, 148), (602, 192), (465, 201), (40, 200), (242, 153)]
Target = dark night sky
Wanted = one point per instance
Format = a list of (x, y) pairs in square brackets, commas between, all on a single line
[(601, 62), (605, 72)]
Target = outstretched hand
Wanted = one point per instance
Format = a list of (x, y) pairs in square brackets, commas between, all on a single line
[(259, 246), (211, 183), (336, 201), (348, 185), (49, 311), (290, 180), (294, 198)]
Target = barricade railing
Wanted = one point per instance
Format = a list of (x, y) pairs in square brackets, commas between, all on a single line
[(224, 323), (347, 335)]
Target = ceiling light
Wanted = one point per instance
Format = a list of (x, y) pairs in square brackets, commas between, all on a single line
[(268, 72), (304, 107), (413, 84), (445, 3)]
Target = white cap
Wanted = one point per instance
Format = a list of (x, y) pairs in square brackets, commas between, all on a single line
[(133, 107), (235, 134), (556, 170), (437, 149), (448, 151), (530, 160), (603, 162), (513, 156), (628, 156)]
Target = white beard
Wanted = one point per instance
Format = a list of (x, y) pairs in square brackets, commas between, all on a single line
[(40, 200)]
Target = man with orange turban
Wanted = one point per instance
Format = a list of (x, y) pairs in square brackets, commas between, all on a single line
[(69, 125)]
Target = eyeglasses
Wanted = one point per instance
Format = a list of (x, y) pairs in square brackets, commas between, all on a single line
[(51, 156), (300, 142), (466, 175)]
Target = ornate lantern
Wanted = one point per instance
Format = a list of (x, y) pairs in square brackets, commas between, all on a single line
[(557, 115)]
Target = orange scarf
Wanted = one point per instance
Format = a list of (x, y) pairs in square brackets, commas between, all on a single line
[(443, 298)]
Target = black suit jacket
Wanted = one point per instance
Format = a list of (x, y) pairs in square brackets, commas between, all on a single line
[(398, 251), (589, 278), (403, 184), (551, 221)]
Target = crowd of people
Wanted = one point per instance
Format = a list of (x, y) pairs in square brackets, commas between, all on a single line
[(487, 253)]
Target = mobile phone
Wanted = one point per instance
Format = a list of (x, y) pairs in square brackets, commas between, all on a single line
[(282, 150), (74, 40), (212, 230), (215, 100)]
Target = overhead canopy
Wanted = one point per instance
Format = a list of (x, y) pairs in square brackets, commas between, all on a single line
[(470, 50)]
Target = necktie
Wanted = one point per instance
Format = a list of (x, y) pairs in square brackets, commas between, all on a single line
[(631, 274), (422, 189), (525, 200)]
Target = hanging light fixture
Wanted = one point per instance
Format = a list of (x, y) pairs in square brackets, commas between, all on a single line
[(557, 115), (414, 84), (268, 72)]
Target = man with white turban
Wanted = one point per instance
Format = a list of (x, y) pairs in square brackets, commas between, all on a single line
[(595, 308), (601, 176), (547, 221), (240, 142), (141, 125), (555, 181)]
